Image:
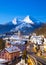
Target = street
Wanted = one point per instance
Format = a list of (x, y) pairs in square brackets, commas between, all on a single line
[(39, 59)]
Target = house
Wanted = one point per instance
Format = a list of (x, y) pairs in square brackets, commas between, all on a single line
[(45, 47), (11, 53), (36, 39), (14, 38), (42, 48), (45, 44), (44, 40)]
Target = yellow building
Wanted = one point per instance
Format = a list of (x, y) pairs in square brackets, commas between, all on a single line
[(45, 47)]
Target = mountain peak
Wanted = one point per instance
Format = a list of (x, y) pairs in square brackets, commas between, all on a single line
[(14, 21), (28, 20)]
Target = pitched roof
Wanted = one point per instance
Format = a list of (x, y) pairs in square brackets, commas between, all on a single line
[(12, 49)]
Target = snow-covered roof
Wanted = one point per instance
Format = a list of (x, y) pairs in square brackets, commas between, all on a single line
[(37, 37), (12, 49), (17, 42), (14, 37)]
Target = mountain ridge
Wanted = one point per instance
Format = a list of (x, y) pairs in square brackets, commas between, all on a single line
[(26, 25)]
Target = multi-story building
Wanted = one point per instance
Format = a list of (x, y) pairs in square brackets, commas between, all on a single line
[(10, 53)]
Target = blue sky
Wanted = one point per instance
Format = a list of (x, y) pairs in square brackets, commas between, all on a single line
[(21, 8)]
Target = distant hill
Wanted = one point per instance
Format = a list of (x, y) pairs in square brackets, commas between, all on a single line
[(41, 30)]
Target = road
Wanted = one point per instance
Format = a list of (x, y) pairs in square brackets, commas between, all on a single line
[(40, 60)]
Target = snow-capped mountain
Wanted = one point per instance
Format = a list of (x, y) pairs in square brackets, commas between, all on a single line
[(14, 21), (28, 20), (27, 25)]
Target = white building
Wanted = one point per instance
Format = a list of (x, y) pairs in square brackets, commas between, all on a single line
[(36, 39), (44, 40)]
